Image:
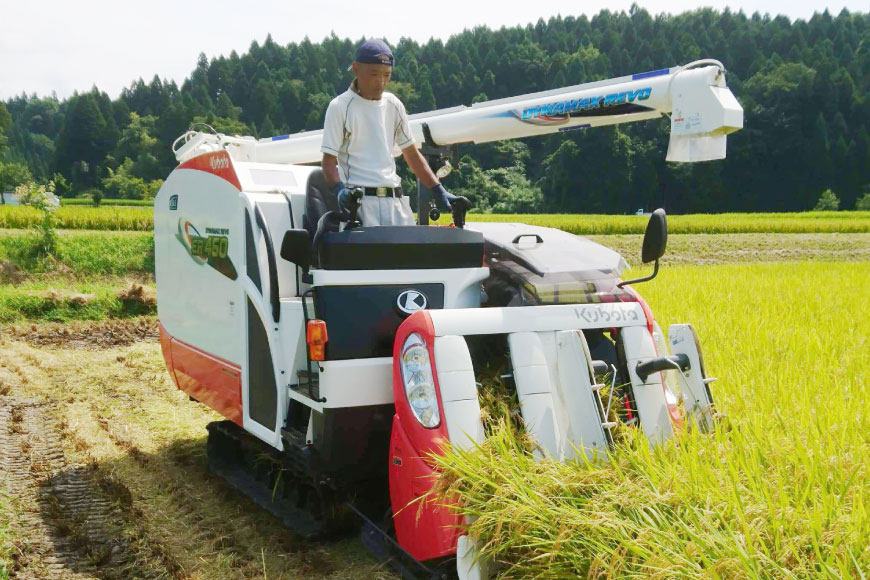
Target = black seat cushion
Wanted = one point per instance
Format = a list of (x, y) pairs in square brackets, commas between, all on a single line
[(319, 199)]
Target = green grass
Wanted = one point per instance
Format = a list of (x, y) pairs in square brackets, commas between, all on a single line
[(62, 300), (64, 201), (5, 535), (735, 223), (82, 253), (780, 490), (81, 218), (141, 219)]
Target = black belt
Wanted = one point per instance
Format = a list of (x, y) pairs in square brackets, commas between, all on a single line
[(384, 191)]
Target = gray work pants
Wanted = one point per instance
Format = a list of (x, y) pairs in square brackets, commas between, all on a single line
[(386, 211)]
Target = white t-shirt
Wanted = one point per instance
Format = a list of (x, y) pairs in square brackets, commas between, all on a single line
[(364, 136)]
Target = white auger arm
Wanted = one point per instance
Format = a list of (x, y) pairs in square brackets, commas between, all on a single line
[(702, 110)]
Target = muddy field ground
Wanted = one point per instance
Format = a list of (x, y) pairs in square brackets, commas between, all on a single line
[(103, 469)]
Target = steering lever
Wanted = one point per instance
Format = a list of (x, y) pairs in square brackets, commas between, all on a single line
[(356, 195)]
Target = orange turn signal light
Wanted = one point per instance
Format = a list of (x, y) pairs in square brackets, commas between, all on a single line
[(316, 337)]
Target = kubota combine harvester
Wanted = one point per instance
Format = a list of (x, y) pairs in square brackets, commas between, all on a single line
[(342, 357)]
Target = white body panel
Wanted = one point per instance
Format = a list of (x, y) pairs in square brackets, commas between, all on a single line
[(535, 392), (537, 318), (554, 382), (693, 382), (575, 389), (355, 383), (458, 391), (649, 395), (291, 331), (468, 565), (198, 304)]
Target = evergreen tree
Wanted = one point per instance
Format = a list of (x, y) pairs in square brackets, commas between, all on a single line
[(803, 86)]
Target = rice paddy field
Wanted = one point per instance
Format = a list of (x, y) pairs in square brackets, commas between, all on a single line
[(102, 460), (107, 202), (140, 218), (80, 217)]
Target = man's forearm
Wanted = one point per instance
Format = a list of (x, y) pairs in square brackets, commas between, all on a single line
[(418, 165), (329, 165)]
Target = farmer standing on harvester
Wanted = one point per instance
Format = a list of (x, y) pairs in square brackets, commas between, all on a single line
[(364, 128)]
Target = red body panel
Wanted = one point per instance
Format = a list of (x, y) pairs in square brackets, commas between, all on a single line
[(217, 163), (205, 377), (165, 346), (424, 528), (429, 530)]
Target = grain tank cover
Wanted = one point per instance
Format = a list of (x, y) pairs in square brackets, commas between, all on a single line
[(547, 251)]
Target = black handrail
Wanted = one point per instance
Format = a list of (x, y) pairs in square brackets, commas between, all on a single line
[(273, 264)]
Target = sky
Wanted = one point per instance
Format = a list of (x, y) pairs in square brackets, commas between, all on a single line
[(60, 46)]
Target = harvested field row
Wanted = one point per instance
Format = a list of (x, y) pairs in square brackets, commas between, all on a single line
[(134, 444), (58, 299), (704, 249), (74, 518), (87, 335)]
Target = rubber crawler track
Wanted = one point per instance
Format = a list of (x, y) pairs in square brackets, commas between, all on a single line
[(71, 520)]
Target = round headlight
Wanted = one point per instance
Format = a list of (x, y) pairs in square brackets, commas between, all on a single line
[(418, 382)]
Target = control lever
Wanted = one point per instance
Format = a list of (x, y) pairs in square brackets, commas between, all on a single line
[(646, 367), (356, 195), (459, 207)]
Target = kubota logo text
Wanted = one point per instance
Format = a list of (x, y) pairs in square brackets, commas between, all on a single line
[(219, 162)]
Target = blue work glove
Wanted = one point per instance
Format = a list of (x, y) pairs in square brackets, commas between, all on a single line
[(445, 200), (343, 194)]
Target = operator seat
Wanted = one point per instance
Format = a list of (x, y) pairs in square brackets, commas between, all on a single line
[(319, 199)]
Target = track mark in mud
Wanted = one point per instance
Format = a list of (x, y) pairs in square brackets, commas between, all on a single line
[(71, 520), (88, 335)]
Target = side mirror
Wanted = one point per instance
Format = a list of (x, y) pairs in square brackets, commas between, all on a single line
[(654, 242), (296, 248), (656, 237)]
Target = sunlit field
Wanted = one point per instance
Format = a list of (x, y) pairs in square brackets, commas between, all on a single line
[(141, 219), (723, 223), (780, 490)]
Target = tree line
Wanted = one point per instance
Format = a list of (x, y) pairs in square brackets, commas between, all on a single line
[(803, 85)]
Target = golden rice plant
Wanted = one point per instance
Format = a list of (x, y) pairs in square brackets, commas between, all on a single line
[(81, 218), (782, 492)]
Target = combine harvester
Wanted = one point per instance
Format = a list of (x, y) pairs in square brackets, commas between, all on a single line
[(343, 356)]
